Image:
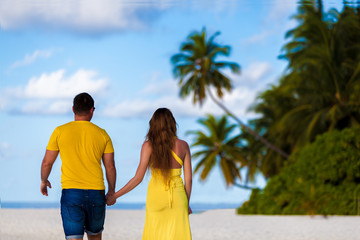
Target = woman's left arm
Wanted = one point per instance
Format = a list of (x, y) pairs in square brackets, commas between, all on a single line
[(139, 175)]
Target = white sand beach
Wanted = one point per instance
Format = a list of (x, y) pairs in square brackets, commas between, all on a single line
[(41, 224)]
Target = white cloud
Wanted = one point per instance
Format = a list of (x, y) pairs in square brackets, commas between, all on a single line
[(256, 71), (141, 107), (57, 85), (60, 107), (51, 93), (254, 76), (30, 58), (91, 17), (52, 107), (81, 16), (238, 101)]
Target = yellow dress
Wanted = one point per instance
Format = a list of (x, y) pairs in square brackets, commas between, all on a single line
[(167, 216)]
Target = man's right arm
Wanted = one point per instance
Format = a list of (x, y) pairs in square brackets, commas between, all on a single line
[(47, 163), (109, 164)]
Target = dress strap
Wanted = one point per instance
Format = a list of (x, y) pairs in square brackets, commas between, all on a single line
[(177, 158)]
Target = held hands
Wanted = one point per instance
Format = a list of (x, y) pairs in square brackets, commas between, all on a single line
[(43, 187), (110, 198)]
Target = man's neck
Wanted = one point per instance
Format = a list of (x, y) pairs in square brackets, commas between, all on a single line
[(82, 118)]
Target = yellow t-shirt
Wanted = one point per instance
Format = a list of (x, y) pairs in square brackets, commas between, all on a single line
[(81, 145)]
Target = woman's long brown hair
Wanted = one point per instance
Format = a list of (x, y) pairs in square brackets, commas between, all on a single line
[(161, 134)]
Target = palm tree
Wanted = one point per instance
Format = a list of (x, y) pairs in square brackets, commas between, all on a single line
[(273, 104), (197, 70), (253, 153), (325, 68), (320, 90), (219, 147)]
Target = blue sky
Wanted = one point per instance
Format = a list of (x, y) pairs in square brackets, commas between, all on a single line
[(119, 51)]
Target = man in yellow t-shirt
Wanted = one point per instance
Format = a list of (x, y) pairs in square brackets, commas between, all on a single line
[(81, 145)]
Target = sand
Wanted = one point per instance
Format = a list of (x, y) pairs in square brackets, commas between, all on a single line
[(41, 224)]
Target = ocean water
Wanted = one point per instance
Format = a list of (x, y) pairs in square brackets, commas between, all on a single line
[(196, 207)]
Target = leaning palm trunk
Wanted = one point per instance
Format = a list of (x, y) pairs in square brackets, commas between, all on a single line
[(252, 132), (246, 187)]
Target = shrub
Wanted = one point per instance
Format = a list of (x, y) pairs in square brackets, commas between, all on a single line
[(322, 178)]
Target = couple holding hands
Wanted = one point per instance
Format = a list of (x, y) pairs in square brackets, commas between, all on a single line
[(83, 145)]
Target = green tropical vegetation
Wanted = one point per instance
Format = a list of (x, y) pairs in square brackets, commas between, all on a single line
[(320, 90), (316, 98), (323, 179), (306, 141), (197, 69), (220, 146)]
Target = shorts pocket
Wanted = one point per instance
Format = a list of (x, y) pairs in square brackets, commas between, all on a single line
[(98, 211), (75, 213)]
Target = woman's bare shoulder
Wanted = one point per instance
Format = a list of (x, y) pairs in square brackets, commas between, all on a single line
[(182, 143), (146, 145)]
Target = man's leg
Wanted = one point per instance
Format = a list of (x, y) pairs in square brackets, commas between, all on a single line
[(95, 213), (94, 237), (72, 213)]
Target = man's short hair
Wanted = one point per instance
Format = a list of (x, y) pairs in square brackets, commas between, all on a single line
[(83, 103)]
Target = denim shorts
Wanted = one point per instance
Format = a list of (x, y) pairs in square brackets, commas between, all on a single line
[(82, 210)]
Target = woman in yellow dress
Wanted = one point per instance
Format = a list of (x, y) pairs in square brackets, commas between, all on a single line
[(167, 202)]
